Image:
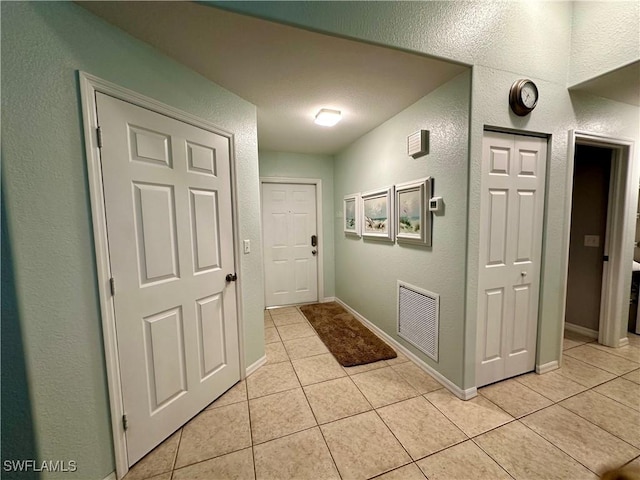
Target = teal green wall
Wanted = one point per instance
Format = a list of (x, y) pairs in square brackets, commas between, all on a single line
[(18, 437), (367, 271), (49, 213), (503, 41), (604, 37), (299, 165), (46, 194)]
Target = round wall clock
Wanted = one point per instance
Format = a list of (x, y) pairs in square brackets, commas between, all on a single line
[(523, 97)]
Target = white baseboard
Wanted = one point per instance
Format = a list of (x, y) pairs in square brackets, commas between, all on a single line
[(623, 342), (572, 327), (547, 367), (328, 299), (111, 476), (467, 394), (256, 365)]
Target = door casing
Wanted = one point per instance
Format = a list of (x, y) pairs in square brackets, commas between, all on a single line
[(89, 85), (318, 183), (623, 198)]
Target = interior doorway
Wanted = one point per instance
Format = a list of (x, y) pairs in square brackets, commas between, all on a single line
[(618, 239), (588, 251)]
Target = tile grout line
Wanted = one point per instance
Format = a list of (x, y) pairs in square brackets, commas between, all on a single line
[(556, 446), (553, 402), (545, 396), (490, 456), (396, 438), (598, 426), (613, 349), (175, 455), (470, 437), (413, 462), (586, 419), (603, 368), (253, 452), (613, 399)]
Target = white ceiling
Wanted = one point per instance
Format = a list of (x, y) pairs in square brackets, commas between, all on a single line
[(290, 73), (287, 72)]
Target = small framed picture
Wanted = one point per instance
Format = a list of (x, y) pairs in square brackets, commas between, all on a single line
[(413, 218), (352, 224), (377, 214)]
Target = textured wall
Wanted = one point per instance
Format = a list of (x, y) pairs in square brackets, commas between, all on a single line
[(49, 221), (297, 165), (503, 41), (18, 436), (604, 36), (558, 112), (367, 271), (504, 35)]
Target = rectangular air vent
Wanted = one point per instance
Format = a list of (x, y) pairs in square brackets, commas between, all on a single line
[(418, 143), (418, 318)]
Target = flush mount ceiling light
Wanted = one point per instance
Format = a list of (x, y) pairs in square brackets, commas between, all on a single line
[(327, 117)]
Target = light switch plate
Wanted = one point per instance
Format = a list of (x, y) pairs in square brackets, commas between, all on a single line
[(592, 240), (247, 246)]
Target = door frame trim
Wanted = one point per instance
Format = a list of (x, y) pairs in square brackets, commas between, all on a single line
[(624, 180), (89, 86), (305, 181)]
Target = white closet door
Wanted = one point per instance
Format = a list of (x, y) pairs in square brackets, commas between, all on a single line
[(512, 211)]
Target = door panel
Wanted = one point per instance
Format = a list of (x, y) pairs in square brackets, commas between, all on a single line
[(498, 227), (493, 320), (164, 345), (155, 232), (289, 221), (205, 230), (511, 216), (167, 193), (526, 228)]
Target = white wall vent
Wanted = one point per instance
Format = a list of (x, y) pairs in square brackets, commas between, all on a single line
[(418, 143), (418, 318)]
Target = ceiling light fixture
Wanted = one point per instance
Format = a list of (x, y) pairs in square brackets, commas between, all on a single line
[(327, 117)]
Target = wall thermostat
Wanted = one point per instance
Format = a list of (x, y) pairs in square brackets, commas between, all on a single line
[(435, 204)]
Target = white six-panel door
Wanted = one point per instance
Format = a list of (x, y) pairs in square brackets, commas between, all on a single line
[(511, 224), (169, 224), (290, 261)]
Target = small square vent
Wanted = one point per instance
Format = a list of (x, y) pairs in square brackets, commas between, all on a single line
[(418, 143), (418, 318)]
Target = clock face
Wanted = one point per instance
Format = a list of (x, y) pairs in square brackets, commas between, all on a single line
[(529, 95)]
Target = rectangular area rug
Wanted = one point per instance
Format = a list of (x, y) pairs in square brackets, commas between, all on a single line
[(346, 338)]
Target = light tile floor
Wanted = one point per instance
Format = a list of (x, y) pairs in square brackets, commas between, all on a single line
[(303, 416)]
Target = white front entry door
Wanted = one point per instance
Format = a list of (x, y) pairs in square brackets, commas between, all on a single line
[(290, 259), (169, 224), (511, 223)]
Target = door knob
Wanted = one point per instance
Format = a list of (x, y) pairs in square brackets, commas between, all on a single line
[(313, 252), (524, 274), (231, 277)]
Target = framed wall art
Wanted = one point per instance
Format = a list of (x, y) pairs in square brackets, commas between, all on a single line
[(413, 218), (377, 214), (351, 209)]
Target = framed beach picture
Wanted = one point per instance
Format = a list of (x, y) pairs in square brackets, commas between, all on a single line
[(351, 209), (413, 218), (377, 214)]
